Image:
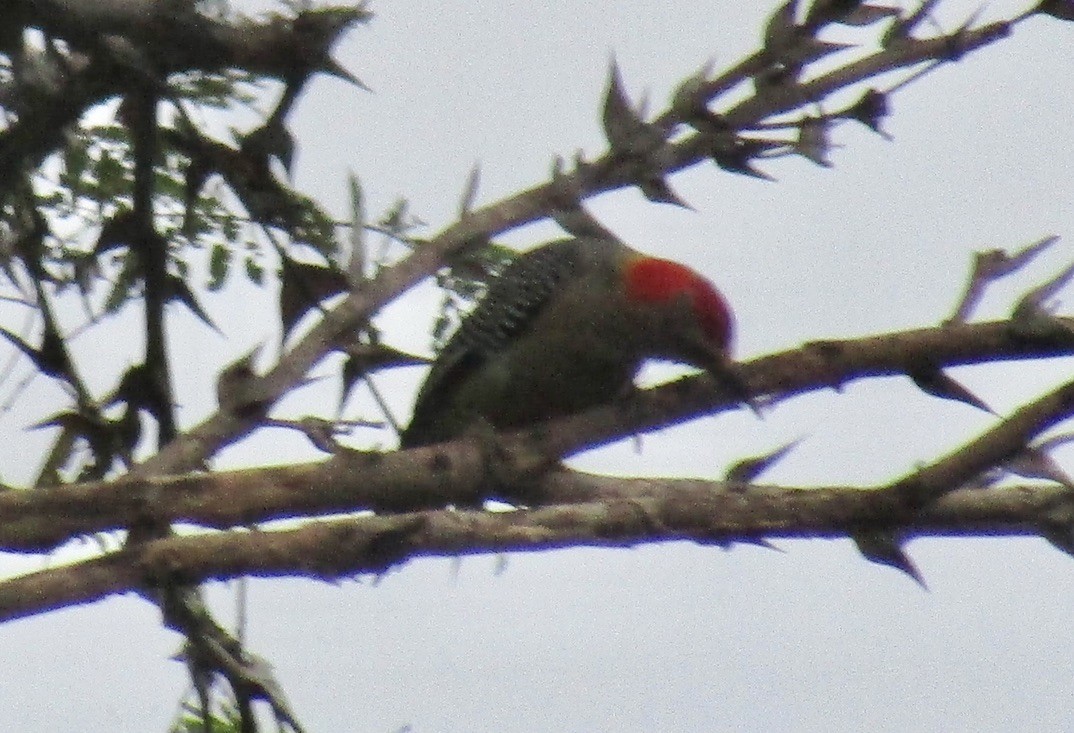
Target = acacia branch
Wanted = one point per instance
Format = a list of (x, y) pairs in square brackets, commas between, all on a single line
[(636, 511), (132, 47), (566, 188), (177, 37), (456, 473), (676, 511), (106, 51), (165, 38), (993, 448)]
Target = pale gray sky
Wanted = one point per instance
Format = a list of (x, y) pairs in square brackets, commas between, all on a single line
[(672, 637)]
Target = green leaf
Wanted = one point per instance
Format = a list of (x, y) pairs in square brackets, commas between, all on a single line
[(219, 264), (229, 225), (76, 159), (123, 286), (111, 176), (169, 185), (191, 722), (117, 134), (255, 273)]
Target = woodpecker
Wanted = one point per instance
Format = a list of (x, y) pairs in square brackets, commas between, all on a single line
[(566, 327)]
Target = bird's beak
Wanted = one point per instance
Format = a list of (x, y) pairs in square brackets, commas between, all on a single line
[(729, 378)]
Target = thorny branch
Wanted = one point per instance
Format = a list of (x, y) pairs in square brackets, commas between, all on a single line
[(95, 51), (104, 54), (353, 481), (601, 512), (565, 189), (631, 512)]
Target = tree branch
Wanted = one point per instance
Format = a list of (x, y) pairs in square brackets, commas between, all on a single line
[(171, 38), (637, 511), (457, 472), (565, 189), (680, 510)]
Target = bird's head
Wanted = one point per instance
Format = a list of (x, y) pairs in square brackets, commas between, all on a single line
[(690, 307), (690, 320)]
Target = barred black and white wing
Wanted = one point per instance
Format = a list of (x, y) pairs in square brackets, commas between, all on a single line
[(513, 302)]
